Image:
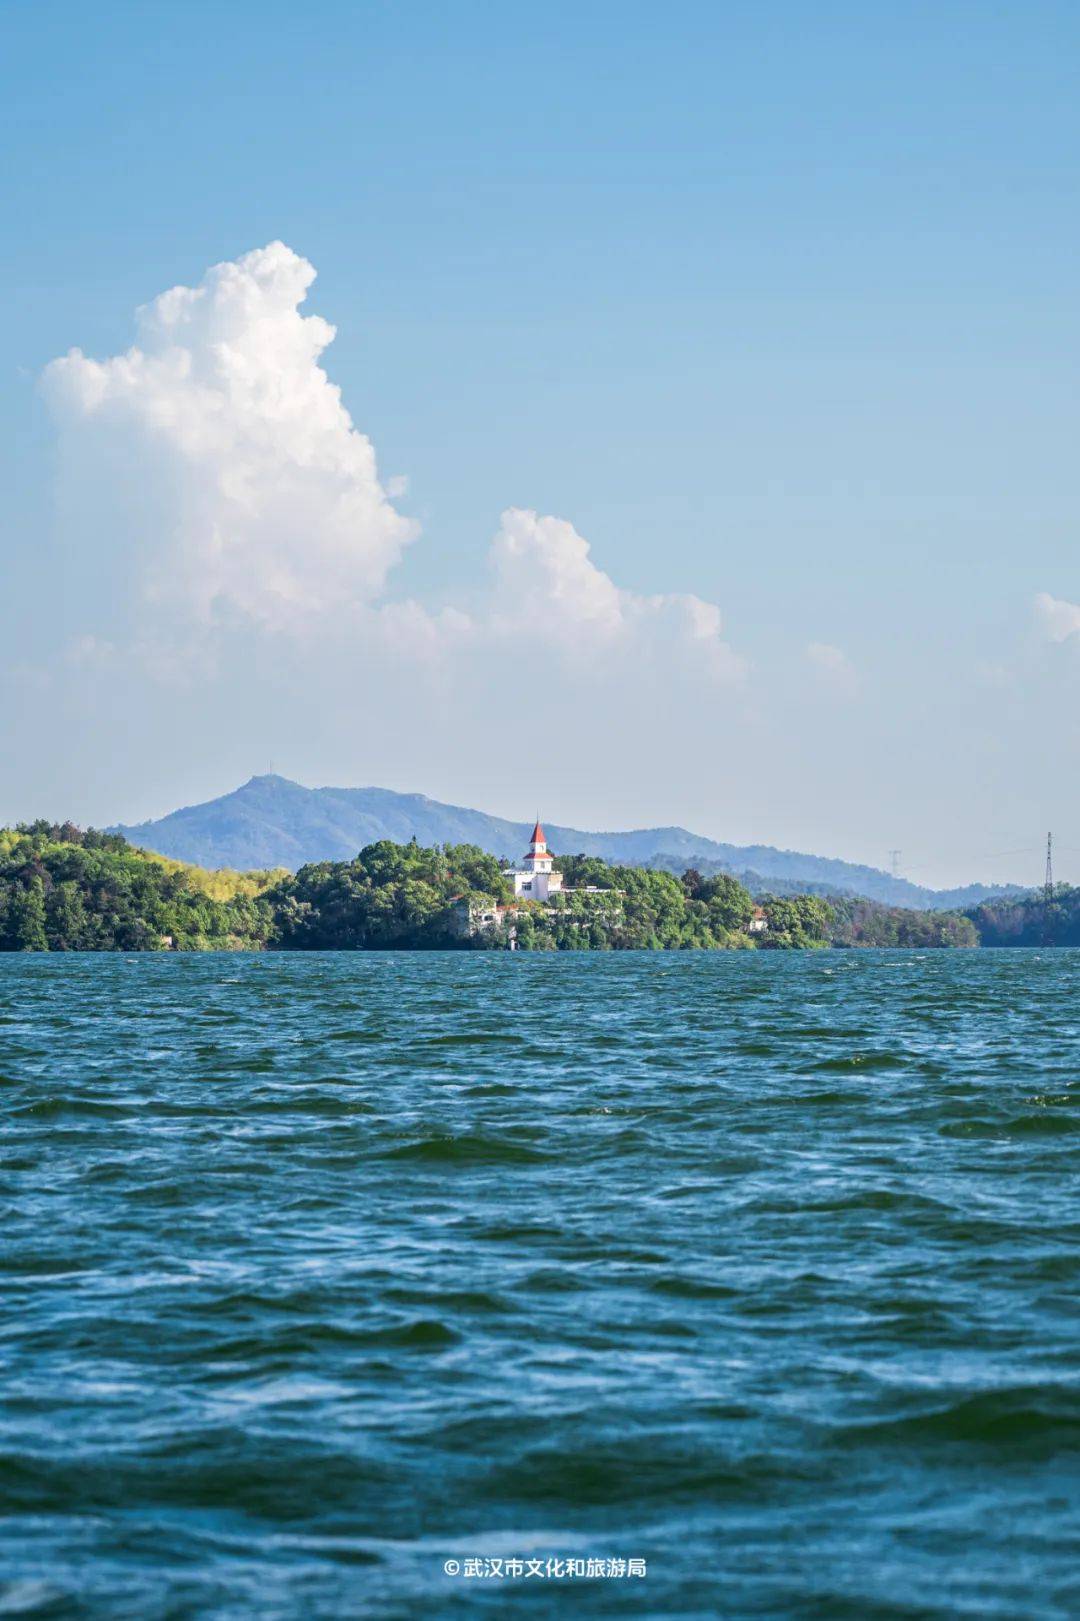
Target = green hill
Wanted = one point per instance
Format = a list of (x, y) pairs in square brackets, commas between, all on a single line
[(65, 890), (62, 889), (272, 822)]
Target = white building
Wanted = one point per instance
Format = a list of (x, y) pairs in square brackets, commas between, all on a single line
[(535, 880)]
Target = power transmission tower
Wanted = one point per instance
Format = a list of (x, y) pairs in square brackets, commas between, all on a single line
[(894, 858), (1048, 893)]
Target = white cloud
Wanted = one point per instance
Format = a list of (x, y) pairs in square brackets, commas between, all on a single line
[(408, 630), (1059, 619), (549, 589), (217, 461), (833, 669), (264, 501), (90, 651)]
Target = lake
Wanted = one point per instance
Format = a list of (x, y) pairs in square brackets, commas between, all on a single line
[(321, 1273)]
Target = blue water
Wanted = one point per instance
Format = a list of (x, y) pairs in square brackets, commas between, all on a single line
[(320, 1271)]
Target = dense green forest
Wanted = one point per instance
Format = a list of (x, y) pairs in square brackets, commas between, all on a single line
[(407, 895), (62, 889), (869, 923), (1029, 921), (65, 890), (392, 895)]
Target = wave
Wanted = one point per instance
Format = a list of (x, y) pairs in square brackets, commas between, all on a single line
[(467, 1149), (1043, 1418)]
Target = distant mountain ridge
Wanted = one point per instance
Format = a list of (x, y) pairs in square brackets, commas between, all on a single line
[(272, 822)]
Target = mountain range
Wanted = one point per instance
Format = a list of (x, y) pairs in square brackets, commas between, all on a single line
[(272, 822)]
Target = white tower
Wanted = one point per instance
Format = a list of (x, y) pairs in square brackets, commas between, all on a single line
[(535, 879), (536, 857)]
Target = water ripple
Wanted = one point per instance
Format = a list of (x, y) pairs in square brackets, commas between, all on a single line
[(318, 1270)]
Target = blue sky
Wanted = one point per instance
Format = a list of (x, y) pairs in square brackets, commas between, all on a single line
[(775, 304)]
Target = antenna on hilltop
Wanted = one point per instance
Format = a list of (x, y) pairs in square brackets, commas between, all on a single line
[(894, 861)]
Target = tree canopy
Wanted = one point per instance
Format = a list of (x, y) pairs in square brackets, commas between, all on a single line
[(65, 890), (392, 895), (62, 889)]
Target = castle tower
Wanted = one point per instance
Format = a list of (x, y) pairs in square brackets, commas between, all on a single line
[(537, 858), (536, 878)]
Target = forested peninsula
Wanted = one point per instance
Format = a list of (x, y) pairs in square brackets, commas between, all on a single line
[(63, 889)]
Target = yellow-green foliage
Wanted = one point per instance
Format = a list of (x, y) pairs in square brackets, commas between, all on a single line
[(219, 883), (62, 889)]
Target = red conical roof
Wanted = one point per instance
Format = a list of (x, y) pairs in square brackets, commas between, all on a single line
[(538, 836)]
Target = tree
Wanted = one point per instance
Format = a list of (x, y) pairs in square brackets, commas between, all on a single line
[(796, 922), (26, 918), (65, 914), (582, 872), (731, 906)]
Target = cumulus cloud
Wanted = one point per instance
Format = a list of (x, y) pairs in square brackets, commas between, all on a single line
[(1059, 619), (217, 463), (832, 668), (548, 587), (266, 505), (408, 630)]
